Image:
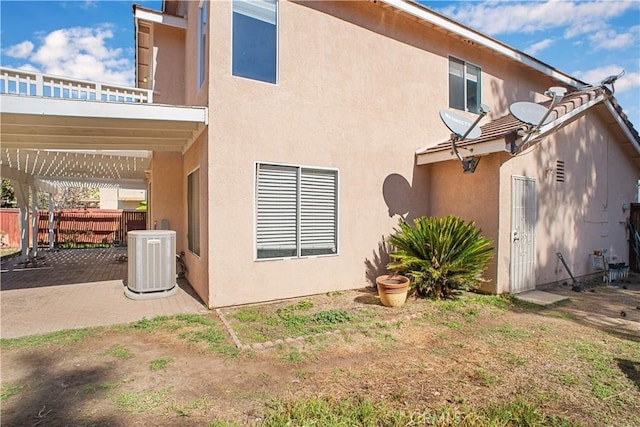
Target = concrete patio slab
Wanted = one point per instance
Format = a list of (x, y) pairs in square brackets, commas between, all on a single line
[(540, 297), (50, 297)]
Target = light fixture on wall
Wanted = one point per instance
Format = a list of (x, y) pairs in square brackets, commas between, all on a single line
[(463, 129), (547, 171)]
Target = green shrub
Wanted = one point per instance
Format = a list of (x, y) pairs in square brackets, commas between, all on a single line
[(440, 255)]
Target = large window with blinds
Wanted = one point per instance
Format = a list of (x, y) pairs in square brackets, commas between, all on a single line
[(255, 39), (296, 211), (464, 85)]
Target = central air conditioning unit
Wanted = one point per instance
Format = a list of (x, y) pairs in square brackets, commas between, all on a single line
[(152, 264)]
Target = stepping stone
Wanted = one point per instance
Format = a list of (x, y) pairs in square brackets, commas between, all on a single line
[(539, 297)]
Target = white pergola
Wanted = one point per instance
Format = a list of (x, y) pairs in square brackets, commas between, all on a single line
[(60, 132)]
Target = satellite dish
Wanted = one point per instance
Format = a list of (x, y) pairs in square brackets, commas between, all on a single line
[(462, 129), (535, 115), (530, 113), (611, 80), (459, 125)]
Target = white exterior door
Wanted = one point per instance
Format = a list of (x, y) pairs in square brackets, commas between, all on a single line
[(523, 234)]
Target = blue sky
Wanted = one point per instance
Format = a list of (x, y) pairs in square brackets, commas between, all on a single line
[(94, 40)]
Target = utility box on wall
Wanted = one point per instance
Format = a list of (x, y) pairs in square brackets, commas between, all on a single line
[(151, 258)]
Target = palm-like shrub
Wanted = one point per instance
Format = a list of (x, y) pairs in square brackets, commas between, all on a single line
[(440, 255)]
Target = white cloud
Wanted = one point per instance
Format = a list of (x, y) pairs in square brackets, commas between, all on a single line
[(627, 82), (577, 17), (609, 39), (20, 50), (88, 4), (28, 67), (537, 47), (82, 53)]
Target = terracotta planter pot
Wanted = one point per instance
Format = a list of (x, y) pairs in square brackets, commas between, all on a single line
[(392, 289)]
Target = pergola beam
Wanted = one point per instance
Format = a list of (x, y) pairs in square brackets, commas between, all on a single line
[(62, 144), (10, 129), (84, 141)]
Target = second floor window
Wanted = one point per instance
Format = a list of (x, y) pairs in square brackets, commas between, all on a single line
[(255, 38), (464, 86), (202, 42)]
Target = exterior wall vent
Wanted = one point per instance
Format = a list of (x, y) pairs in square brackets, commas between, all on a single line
[(559, 170), (151, 263)]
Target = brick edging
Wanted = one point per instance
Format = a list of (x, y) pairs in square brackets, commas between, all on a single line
[(270, 344)]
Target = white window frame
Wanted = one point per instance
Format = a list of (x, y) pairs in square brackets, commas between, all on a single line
[(203, 18), (464, 82), (299, 231), (193, 213)]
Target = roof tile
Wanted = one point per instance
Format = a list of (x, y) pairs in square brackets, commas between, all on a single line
[(507, 126)]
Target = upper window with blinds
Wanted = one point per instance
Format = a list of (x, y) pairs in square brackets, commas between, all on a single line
[(464, 86), (296, 211), (255, 39)]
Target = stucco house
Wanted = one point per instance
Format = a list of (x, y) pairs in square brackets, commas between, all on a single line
[(322, 129), (121, 198)]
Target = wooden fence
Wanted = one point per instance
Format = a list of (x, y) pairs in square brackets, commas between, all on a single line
[(10, 228), (77, 226)]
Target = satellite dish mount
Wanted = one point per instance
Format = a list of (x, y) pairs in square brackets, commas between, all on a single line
[(463, 129), (534, 115), (611, 81)]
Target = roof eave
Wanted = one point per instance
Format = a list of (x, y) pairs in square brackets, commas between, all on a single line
[(465, 32), (623, 125), (157, 17), (481, 149)]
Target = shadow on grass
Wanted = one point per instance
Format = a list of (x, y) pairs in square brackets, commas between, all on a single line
[(51, 396), (631, 369), (369, 297)]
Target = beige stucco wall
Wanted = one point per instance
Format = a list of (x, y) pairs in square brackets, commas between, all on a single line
[(197, 264), (175, 73), (169, 65), (108, 198), (166, 194), (472, 197), (359, 90), (121, 198), (583, 214), (195, 94)]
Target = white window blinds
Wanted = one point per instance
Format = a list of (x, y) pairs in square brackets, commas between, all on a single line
[(277, 225), (262, 10), (318, 211), (296, 212)]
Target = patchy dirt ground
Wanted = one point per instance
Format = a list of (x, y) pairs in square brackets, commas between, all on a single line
[(579, 360)]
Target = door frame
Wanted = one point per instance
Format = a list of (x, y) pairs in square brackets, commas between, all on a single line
[(523, 229)]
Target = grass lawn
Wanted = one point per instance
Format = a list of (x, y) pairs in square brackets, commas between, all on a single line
[(339, 359)]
